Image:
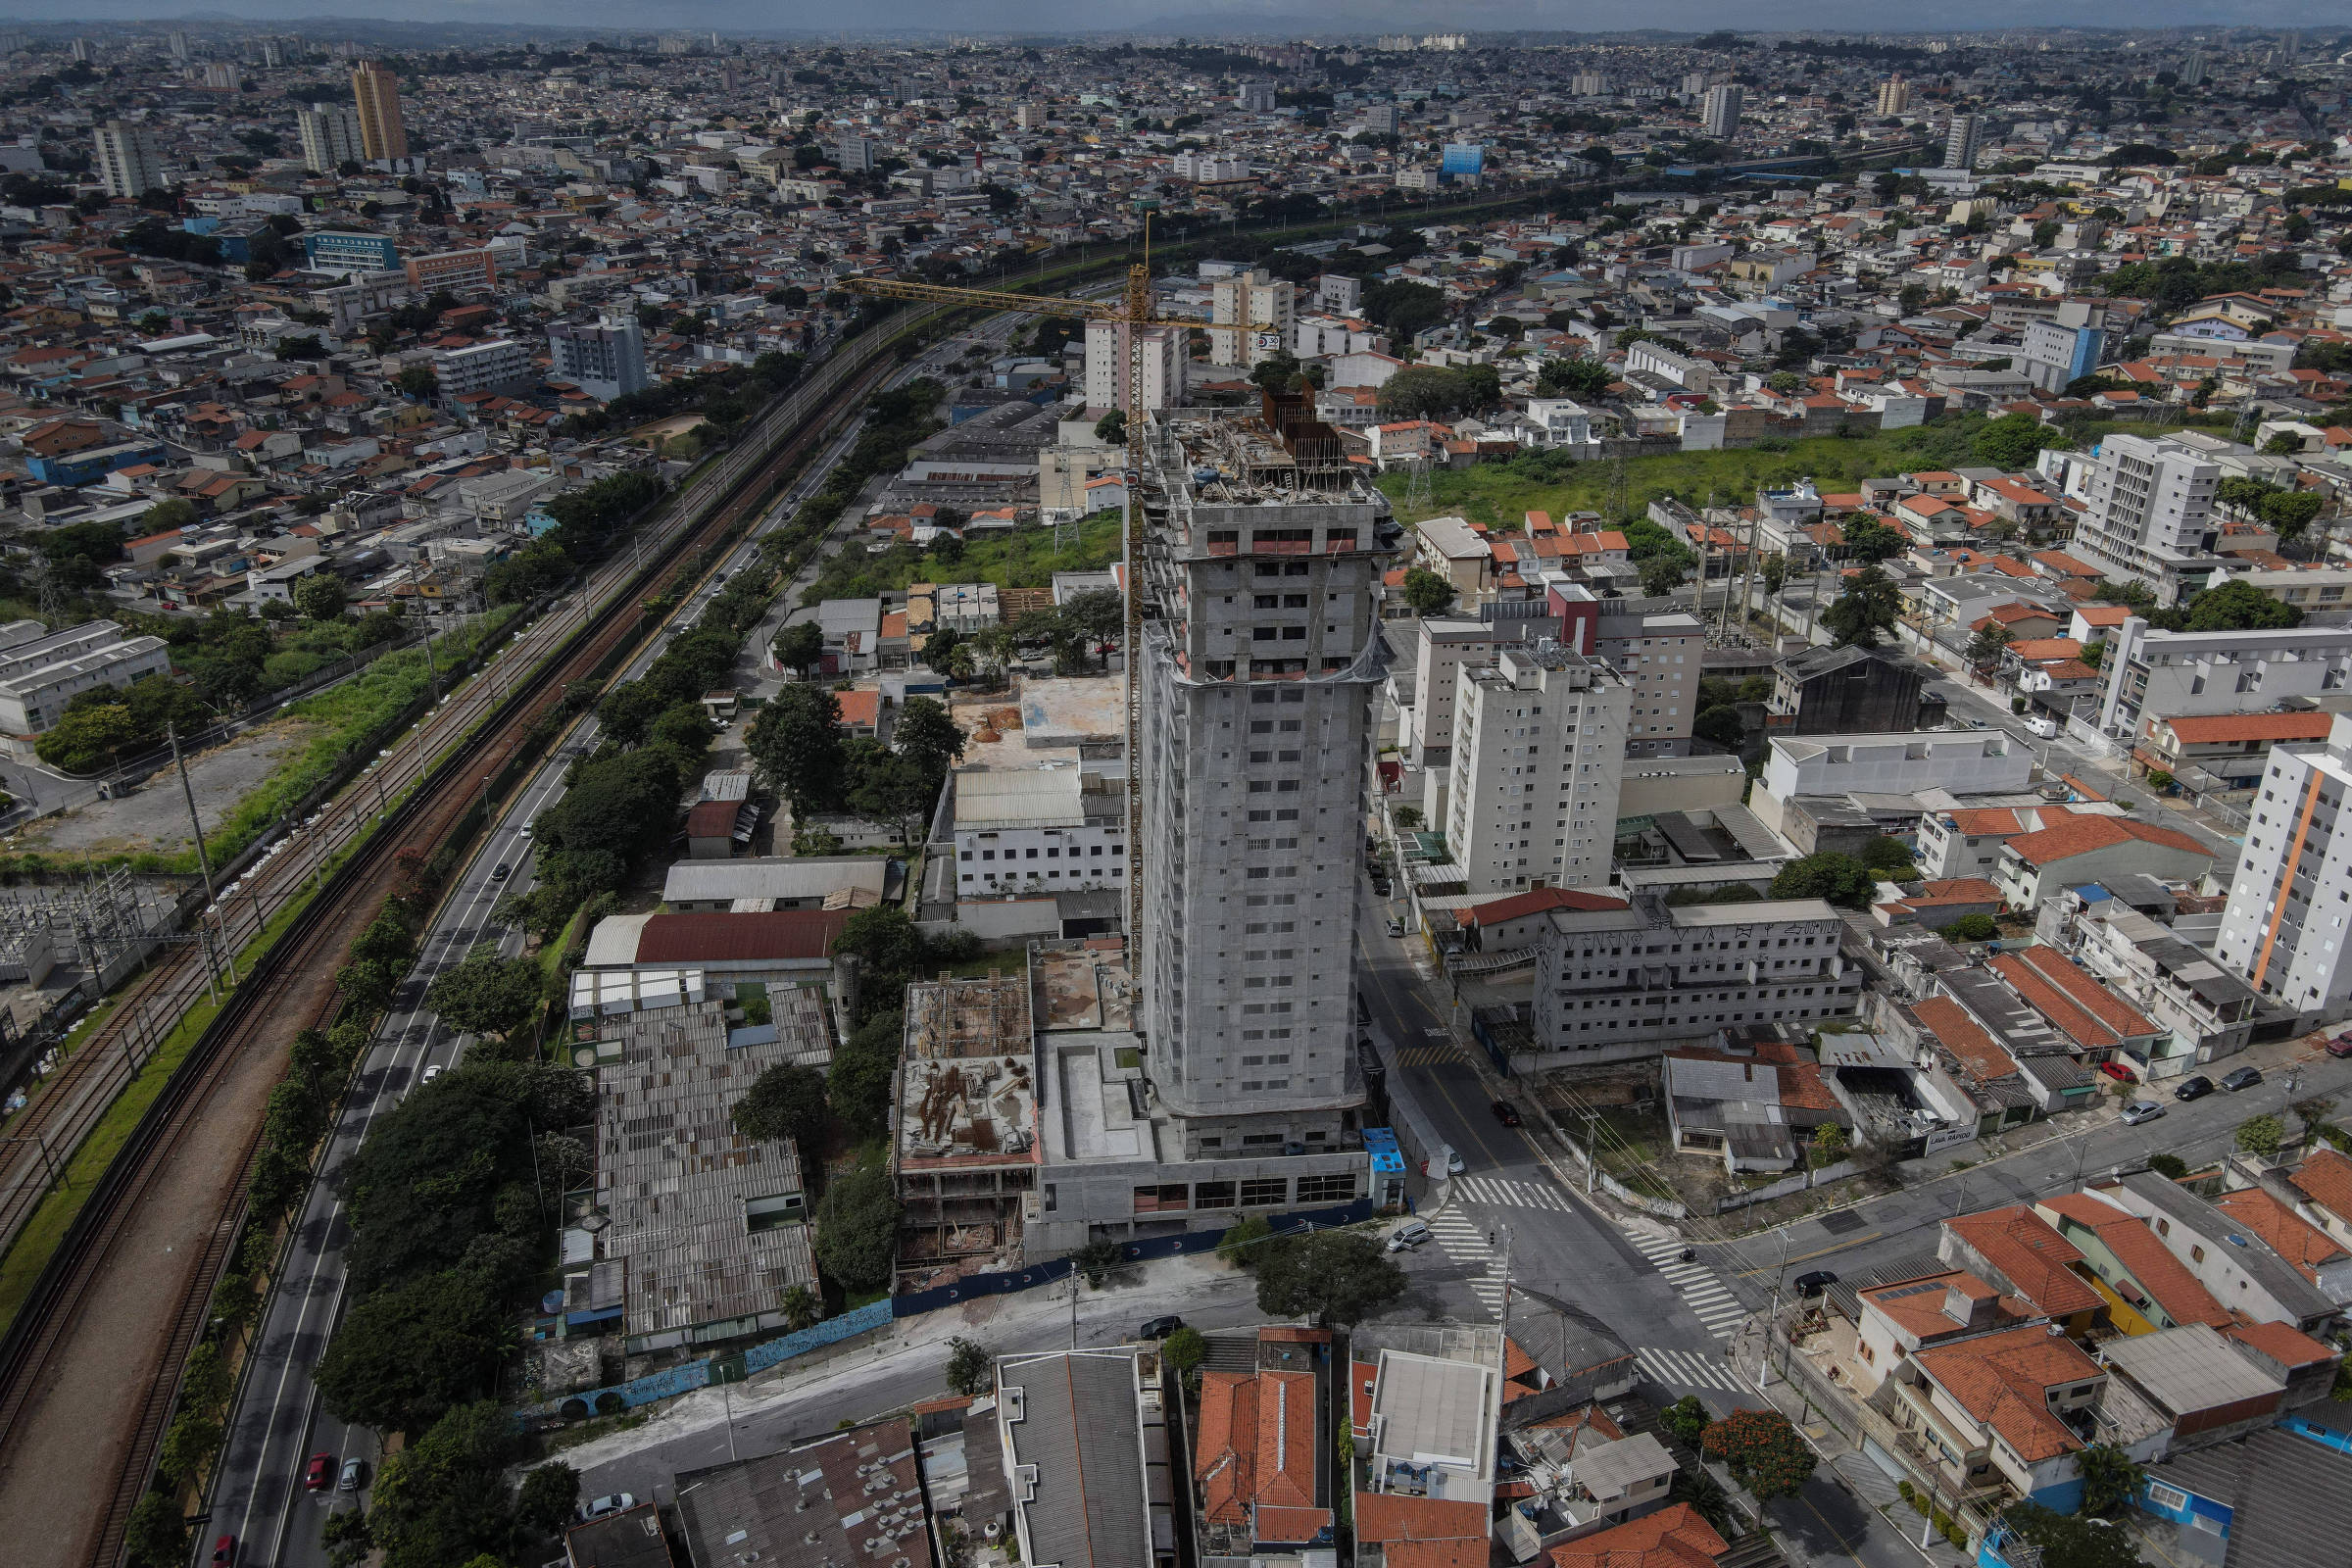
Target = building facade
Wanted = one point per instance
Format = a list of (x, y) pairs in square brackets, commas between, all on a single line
[(605, 360), (1258, 677), (129, 163), (1719, 111), (376, 93), (2149, 675), (494, 366), (2149, 508), (453, 270), (330, 137), (1251, 314), (2284, 929), (1538, 754)]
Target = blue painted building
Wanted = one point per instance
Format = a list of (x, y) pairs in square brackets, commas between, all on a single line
[(340, 251), (93, 464)]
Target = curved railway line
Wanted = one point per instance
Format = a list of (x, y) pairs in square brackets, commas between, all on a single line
[(419, 791)]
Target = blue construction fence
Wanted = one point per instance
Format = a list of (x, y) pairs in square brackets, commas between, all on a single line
[(687, 1376), (1004, 1283)]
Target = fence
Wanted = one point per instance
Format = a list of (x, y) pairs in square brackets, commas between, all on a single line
[(1802, 1180), (687, 1376)]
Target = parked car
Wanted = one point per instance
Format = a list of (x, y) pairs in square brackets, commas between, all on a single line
[(1505, 1114), (2118, 1071), (1395, 928), (316, 1473), (1815, 1282), (1454, 1162), (2341, 1045), (2244, 1078), (2196, 1088), (1407, 1236), (224, 1553), (1159, 1328), (2140, 1110), (355, 1475), (2046, 729), (609, 1502)]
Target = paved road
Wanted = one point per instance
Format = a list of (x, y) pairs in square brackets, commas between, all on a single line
[(278, 1420)]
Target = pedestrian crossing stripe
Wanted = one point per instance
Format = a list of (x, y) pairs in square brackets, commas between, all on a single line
[(1716, 1309), (1504, 1192), (1429, 1055), (1686, 1369)]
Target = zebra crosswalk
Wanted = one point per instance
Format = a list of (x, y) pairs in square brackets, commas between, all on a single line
[(1506, 1191), (1688, 1369), (1465, 1244), (1430, 1056), (1714, 1305)]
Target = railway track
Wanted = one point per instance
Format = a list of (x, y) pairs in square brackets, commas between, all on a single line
[(419, 791)]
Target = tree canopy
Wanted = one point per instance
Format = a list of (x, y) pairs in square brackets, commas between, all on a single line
[(1331, 1277)]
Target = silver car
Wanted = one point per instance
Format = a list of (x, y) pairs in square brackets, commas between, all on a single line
[(2140, 1110)]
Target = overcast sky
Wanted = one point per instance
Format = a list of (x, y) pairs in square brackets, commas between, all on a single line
[(1234, 16)]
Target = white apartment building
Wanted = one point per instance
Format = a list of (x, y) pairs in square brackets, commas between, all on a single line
[(1538, 754), (41, 671), (1251, 317), (1960, 761), (1037, 830), (493, 367), (2150, 509), (2149, 674), (1163, 352), (1618, 980), (129, 163), (605, 360), (1659, 657), (330, 137), (2284, 928), (1557, 422), (1447, 644), (1651, 358), (1320, 337), (1719, 111)]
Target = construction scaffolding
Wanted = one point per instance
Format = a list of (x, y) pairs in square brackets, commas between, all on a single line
[(965, 1148)]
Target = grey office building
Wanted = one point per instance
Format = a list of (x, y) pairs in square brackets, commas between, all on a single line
[(606, 361), (1260, 557)]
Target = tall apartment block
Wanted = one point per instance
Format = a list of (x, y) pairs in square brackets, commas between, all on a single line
[(1962, 141), (1245, 300), (2151, 509), (2284, 928), (605, 359), (127, 163), (330, 137), (1538, 754), (375, 92), (1719, 111), (1259, 556), (1894, 95)]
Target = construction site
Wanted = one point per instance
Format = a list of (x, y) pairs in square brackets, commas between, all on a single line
[(965, 1156)]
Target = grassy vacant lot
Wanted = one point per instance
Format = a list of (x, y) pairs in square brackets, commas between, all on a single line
[(1499, 495), (1024, 558)]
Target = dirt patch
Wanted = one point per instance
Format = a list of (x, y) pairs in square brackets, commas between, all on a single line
[(154, 818)]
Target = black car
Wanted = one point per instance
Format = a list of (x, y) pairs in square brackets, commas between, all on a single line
[(501, 873), (1505, 1112), (1815, 1282), (2244, 1078), (2196, 1088), (1159, 1328)]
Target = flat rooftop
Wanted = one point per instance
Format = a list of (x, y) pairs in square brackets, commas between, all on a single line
[(966, 1095)]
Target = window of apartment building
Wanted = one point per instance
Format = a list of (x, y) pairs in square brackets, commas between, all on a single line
[(1211, 1195), (1336, 1188), (1265, 1192)]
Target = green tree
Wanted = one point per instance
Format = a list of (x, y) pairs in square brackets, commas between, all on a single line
[(1868, 609), (1764, 1453), (1243, 1243), (800, 648), (157, 1535), (1973, 928), (887, 788), (2238, 606), (787, 1101), (2071, 1541), (2111, 1478), (858, 1085), (803, 1308), (1330, 1276), (488, 995), (1687, 1419), (1185, 1350), (1889, 856), (1839, 878), (2171, 1168), (1722, 726), (858, 1229), (442, 1498), (165, 516), (418, 381), (547, 1498), (1662, 575), (2013, 440), (1111, 429), (626, 714), (2261, 1136), (971, 1370), (1427, 592), (797, 741), (1098, 1262), (407, 1355), (927, 738), (1586, 380), (1869, 539), (1423, 392)]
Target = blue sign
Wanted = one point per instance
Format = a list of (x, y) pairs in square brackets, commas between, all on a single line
[(1463, 157)]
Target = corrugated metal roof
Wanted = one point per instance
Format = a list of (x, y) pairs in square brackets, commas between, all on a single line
[(1022, 799), (780, 877), (714, 937), (1079, 1428)]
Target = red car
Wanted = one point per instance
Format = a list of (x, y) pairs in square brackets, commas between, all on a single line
[(319, 1472), (224, 1553), (2340, 1045), (2117, 1071)]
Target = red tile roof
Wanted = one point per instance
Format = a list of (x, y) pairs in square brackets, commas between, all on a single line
[(2303, 1245), (2165, 1278), (719, 936), (2282, 1342), (2076, 835), (1534, 902), (1959, 1034), (2038, 1261), (1386, 1517), (1671, 1538), (2000, 1378), (2077, 1005), (2326, 1178), (2220, 729), (1257, 1444)]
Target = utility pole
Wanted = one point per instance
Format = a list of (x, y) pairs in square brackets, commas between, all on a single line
[(204, 861), (1591, 1152)]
